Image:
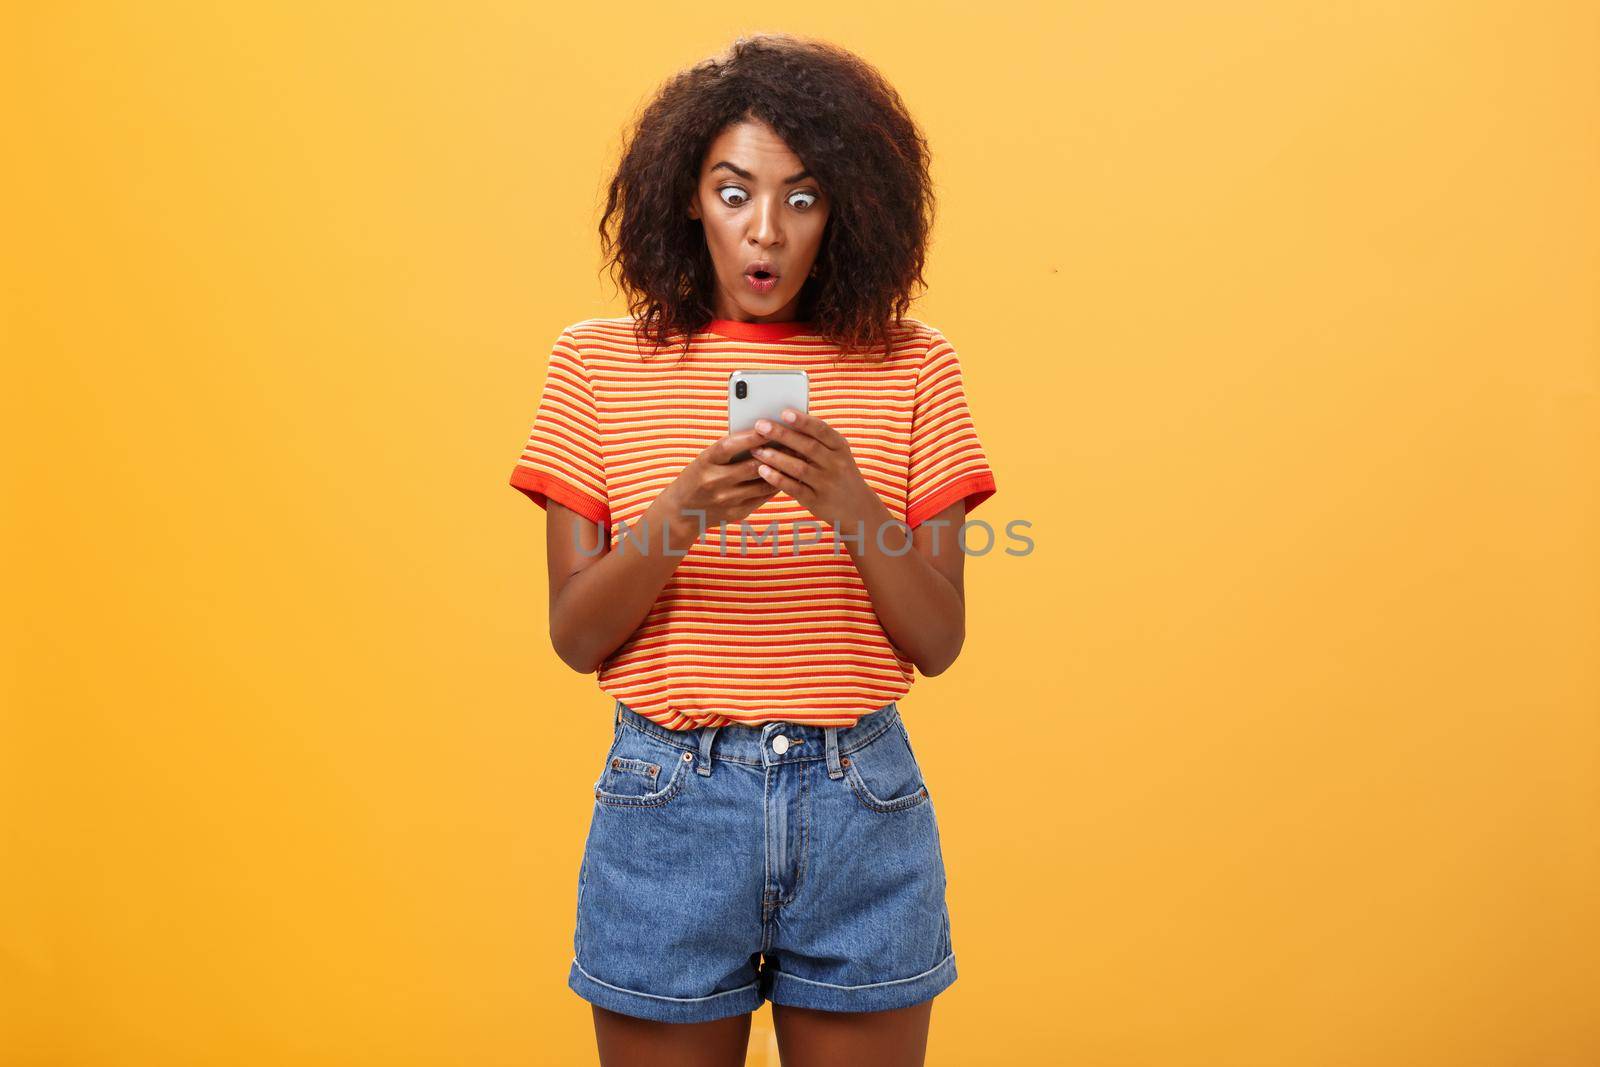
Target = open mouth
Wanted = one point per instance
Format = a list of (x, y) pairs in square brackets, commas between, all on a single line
[(761, 280)]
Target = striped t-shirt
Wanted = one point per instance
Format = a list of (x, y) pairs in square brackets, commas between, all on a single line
[(754, 632)]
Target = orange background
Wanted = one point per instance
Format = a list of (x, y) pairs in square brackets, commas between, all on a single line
[(1281, 325)]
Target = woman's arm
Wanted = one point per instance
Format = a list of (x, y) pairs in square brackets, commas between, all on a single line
[(918, 595), (599, 597)]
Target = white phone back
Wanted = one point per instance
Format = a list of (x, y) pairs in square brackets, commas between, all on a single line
[(767, 393)]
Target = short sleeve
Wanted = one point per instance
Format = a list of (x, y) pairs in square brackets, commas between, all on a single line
[(948, 462), (561, 459)]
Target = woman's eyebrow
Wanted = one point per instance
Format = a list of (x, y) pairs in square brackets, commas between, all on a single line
[(747, 176)]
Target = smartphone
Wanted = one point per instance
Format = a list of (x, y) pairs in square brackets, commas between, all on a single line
[(763, 394)]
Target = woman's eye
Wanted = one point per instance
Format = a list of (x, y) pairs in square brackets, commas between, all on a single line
[(810, 198), (735, 191)]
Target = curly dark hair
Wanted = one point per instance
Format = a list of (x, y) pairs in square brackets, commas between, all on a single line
[(853, 133)]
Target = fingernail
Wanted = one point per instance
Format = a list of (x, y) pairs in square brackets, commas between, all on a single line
[(763, 425), (788, 416), (765, 470)]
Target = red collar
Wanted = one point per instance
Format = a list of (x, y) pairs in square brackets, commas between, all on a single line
[(759, 331)]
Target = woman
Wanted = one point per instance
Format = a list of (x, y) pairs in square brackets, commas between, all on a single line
[(761, 827)]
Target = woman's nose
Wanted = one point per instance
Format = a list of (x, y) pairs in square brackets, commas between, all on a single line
[(764, 229)]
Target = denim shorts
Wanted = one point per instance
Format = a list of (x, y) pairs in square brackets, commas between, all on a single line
[(727, 865)]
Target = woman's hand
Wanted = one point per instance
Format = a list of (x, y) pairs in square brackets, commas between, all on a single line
[(818, 470), (726, 488)]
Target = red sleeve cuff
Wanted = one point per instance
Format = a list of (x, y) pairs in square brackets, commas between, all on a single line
[(541, 487), (976, 487)]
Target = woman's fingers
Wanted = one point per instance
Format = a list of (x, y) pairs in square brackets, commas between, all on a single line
[(819, 430), (793, 486), (728, 449), (793, 466)]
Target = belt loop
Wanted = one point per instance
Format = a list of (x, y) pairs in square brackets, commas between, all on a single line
[(706, 734), (831, 740), (618, 709)]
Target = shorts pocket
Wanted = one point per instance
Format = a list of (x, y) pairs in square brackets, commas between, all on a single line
[(884, 773), (641, 771)]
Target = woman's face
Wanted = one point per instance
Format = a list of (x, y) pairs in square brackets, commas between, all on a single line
[(760, 209)]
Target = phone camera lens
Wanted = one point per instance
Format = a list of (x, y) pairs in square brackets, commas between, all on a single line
[(740, 389)]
